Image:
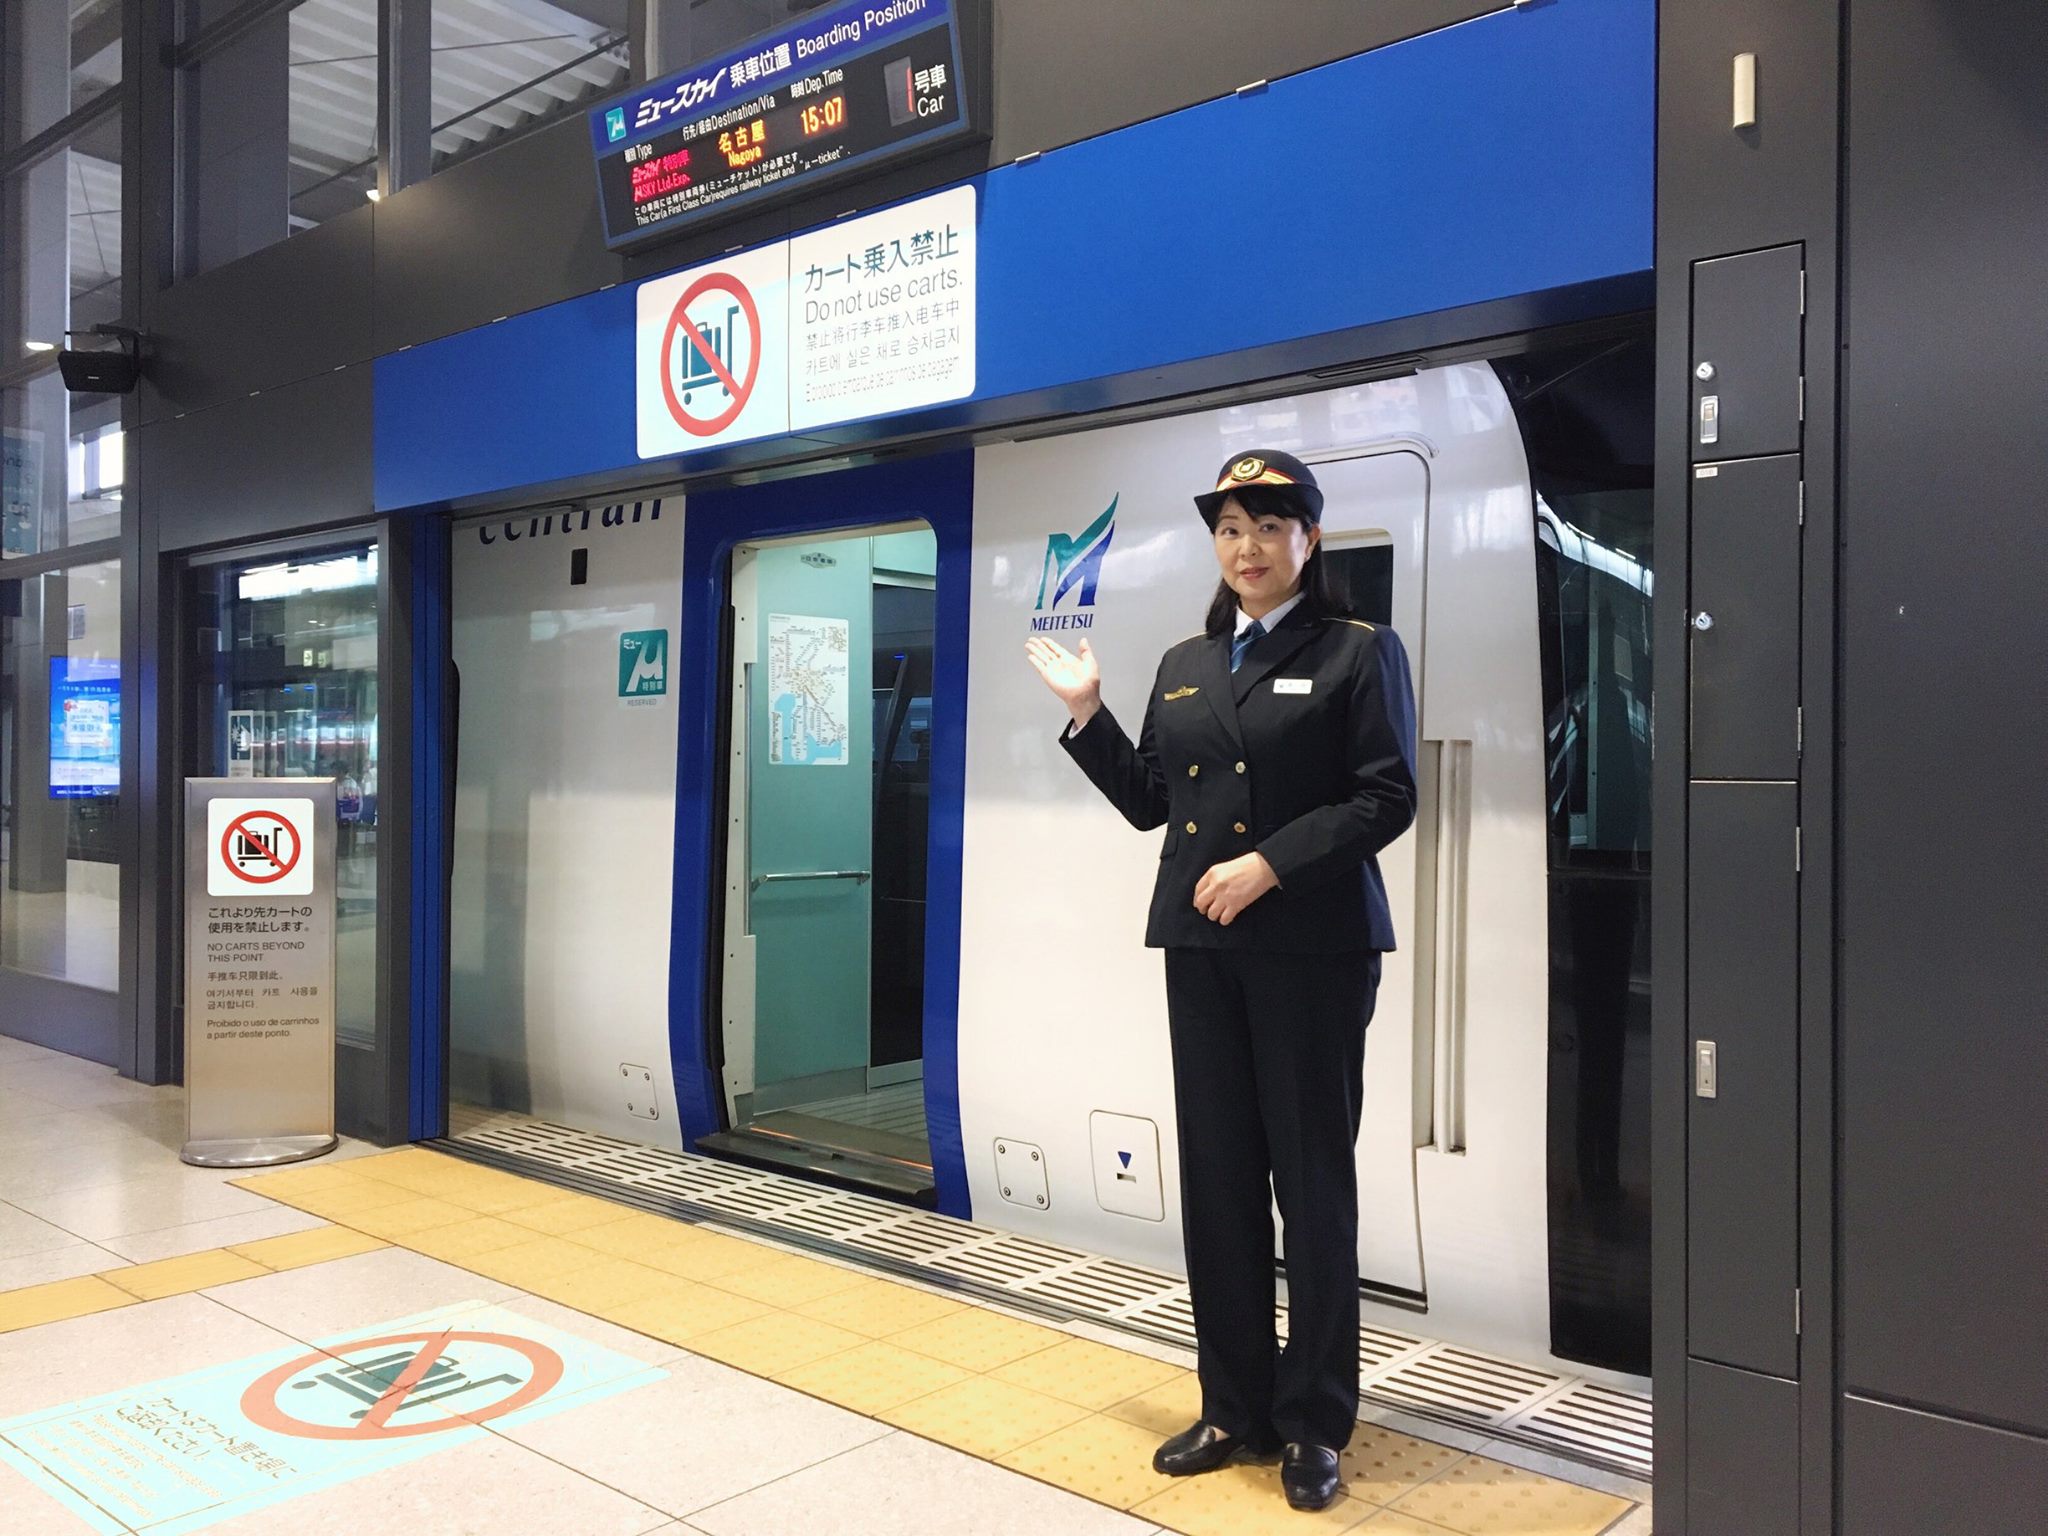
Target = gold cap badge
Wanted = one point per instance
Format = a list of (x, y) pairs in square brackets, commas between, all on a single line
[(1248, 468)]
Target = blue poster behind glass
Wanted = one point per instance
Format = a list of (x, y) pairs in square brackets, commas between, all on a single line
[(85, 727)]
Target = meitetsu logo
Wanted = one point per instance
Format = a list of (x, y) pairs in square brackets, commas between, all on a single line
[(615, 125), (1074, 565)]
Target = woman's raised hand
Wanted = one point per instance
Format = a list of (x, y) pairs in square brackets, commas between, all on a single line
[(1076, 679)]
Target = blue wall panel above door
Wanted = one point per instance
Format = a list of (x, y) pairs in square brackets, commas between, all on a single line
[(1507, 157)]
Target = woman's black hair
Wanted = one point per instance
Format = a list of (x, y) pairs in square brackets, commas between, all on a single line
[(1319, 596)]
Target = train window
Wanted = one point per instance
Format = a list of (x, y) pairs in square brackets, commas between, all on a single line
[(1363, 575), (1586, 424)]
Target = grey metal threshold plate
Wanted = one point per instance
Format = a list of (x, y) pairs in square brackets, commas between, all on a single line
[(1584, 1421)]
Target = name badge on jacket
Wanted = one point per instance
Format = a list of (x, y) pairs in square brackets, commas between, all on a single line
[(1293, 684)]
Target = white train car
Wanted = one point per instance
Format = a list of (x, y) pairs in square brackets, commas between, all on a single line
[(928, 978)]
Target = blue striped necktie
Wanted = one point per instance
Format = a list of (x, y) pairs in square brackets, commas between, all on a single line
[(1245, 642)]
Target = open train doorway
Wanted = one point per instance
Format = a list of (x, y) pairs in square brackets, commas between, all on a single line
[(829, 710)]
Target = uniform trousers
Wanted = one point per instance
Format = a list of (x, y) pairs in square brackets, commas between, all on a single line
[(1268, 1076)]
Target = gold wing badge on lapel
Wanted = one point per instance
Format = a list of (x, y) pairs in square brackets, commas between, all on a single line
[(1180, 693)]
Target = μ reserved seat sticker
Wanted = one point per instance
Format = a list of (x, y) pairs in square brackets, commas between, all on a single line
[(179, 1455)]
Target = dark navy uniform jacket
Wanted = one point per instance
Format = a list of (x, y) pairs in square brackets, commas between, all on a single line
[(1306, 753)]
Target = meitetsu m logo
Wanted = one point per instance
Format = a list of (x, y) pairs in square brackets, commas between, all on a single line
[(1074, 565), (615, 125), (643, 663)]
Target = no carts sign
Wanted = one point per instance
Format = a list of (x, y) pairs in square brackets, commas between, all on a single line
[(259, 847)]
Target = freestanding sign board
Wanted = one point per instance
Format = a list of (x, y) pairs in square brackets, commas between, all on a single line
[(259, 970)]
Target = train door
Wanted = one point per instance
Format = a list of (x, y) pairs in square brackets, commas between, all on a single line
[(1375, 536), (830, 719)]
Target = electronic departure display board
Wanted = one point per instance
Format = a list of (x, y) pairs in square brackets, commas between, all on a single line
[(846, 87)]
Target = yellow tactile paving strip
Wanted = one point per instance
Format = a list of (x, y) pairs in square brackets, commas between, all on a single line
[(61, 1299), (1070, 1412)]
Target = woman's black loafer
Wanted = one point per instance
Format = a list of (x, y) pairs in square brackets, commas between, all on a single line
[(1201, 1447), (1308, 1473)]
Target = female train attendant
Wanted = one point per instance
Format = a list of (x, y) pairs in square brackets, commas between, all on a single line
[(1279, 750)]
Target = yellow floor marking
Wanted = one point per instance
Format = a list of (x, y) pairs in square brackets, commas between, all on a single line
[(873, 1377), (559, 1217), (34, 1305), (617, 1282), (1099, 1458), (686, 1311), (1482, 1497), (189, 1272), (534, 1263), (983, 1417), (302, 1181), (631, 1236), (470, 1239), (1390, 1522), (1244, 1500), (295, 1250), (345, 1202), (705, 1256), (1090, 1375), (774, 1343), (407, 1218), (976, 1340), (879, 1308), (1166, 1409), (1379, 1465), (994, 1386), (790, 1282)]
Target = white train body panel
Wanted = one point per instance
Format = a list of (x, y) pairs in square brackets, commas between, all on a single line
[(1062, 1009), (564, 820)]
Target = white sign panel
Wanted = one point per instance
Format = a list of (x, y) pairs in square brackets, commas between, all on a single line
[(863, 318), (259, 970), (882, 312), (259, 847), (711, 353)]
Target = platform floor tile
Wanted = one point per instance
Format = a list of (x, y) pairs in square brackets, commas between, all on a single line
[(790, 1282), (984, 1417), (296, 1249), (874, 1377), (686, 1311), (192, 1272), (1245, 1500), (1090, 1375), (35, 1305), (879, 1309), (1380, 1465), (1100, 1458), (1479, 1496), (777, 1342), (1079, 1415), (976, 1340), (1164, 1410)]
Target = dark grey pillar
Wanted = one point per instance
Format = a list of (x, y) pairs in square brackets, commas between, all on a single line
[(237, 122)]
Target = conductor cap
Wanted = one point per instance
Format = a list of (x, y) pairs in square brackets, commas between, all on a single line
[(1268, 468)]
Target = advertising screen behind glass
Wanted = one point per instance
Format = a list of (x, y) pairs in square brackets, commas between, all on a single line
[(85, 727)]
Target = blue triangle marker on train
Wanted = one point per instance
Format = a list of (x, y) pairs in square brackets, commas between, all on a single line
[(1124, 1158)]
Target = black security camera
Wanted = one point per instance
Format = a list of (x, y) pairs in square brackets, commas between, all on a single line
[(103, 372)]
